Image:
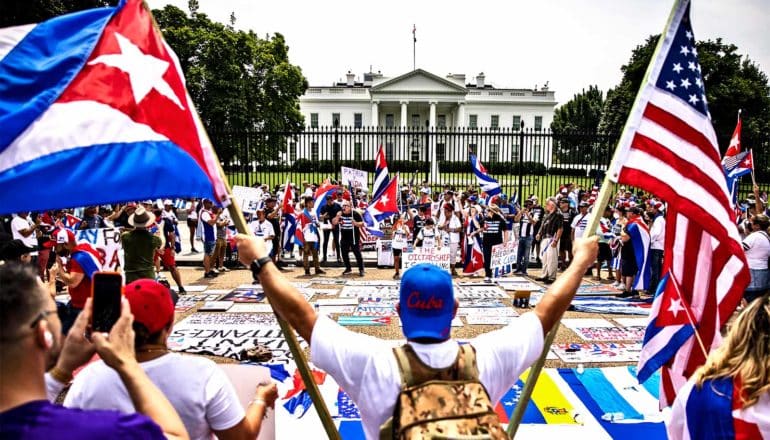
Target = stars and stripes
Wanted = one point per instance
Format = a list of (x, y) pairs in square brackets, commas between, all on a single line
[(669, 148)]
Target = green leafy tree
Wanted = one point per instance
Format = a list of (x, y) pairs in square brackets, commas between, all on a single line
[(574, 125), (18, 12), (732, 82)]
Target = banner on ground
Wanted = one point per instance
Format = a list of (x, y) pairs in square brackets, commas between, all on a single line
[(438, 257), (355, 178), (384, 253), (106, 241), (503, 258), (249, 198)]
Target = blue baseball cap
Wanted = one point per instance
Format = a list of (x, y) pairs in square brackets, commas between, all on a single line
[(427, 302)]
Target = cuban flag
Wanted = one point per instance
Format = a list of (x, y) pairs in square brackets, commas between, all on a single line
[(473, 258), (289, 219), (488, 184), (319, 198), (640, 238), (381, 178), (88, 259), (97, 98), (69, 221), (382, 207), (715, 411)]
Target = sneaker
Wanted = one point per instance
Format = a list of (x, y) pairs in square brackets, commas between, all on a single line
[(361, 273), (307, 273), (487, 280), (215, 272), (320, 272), (396, 276), (194, 251), (548, 280), (209, 275), (224, 269), (347, 271), (182, 291), (626, 294)]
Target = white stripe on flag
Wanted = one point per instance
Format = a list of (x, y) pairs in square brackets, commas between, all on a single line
[(659, 341), (634, 394), (687, 114), (11, 36)]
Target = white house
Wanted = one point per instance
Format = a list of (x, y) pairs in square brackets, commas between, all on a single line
[(420, 100)]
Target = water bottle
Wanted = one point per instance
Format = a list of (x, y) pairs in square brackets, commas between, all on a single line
[(612, 417)]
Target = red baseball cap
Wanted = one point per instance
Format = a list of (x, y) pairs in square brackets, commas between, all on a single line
[(60, 236), (151, 304)]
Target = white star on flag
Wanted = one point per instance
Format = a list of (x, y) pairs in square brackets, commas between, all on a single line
[(694, 51), (384, 199), (694, 99), (670, 85), (686, 83), (677, 67), (688, 34), (675, 307), (734, 141), (145, 72), (684, 50), (691, 66)]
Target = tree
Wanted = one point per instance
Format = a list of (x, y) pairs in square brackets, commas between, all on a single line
[(732, 82), (575, 122), (18, 12), (238, 81)]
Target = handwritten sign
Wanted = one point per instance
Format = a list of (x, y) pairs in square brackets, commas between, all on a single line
[(503, 258), (437, 257), (356, 178), (106, 241)]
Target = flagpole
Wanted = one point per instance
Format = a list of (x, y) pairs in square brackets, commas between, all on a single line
[(753, 179), (414, 47), (601, 201)]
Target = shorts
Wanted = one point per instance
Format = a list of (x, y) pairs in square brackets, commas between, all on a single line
[(167, 258), (605, 253), (192, 222), (565, 244), (397, 252), (208, 247), (628, 268)]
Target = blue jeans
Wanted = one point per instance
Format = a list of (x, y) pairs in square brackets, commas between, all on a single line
[(522, 254)]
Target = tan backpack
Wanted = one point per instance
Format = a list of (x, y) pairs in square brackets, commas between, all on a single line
[(440, 404)]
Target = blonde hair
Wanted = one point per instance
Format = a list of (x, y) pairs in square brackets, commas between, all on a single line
[(745, 353)]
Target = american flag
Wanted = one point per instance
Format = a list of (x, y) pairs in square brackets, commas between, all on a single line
[(669, 148)]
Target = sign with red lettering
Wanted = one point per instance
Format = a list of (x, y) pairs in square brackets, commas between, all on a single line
[(437, 257), (106, 241)]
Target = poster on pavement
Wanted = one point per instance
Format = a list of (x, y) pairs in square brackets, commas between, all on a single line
[(438, 257), (355, 178), (503, 258)]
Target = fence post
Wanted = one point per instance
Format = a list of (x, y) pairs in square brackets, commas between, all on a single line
[(427, 152), (520, 170), (336, 149)]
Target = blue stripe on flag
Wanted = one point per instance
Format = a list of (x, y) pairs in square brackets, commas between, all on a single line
[(86, 262), (709, 410), (38, 69), (652, 384), (605, 395), (531, 413), (107, 172)]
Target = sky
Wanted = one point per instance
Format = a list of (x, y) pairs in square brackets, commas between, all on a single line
[(570, 44)]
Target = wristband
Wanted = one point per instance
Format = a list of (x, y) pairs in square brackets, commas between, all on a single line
[(258, 401), (60, 376), (257, 265)]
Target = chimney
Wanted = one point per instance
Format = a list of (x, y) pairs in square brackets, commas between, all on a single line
[(480, 80), (351, 79)]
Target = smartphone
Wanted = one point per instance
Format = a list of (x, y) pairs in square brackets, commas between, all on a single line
[(106, 294)]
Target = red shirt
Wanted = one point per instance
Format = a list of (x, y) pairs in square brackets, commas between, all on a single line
[(80, 293)]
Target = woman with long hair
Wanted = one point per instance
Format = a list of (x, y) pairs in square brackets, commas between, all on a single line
[(730, 393)]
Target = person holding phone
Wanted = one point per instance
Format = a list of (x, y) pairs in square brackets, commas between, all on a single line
[(196, 386), (31, 342)]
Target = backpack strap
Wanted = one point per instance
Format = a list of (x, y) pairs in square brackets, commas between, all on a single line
[(467, 358), (407, 378)]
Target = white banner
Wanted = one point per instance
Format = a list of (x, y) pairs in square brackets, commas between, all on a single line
[(438, 257), (106, 241), (384, 253), (503, 258), (358, 178), (249, 198)]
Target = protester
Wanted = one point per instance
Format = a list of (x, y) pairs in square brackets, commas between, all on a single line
[(631, 265), (91, 219), (349, 222), (729, 396), (195, 386), (31, 343), (565, 242), (192, 223), (493, 225), (757, 248), (139, 246), (657, 242), (311, 236), (366, 368), (604, 256), (428, 236), (619, 222), (328, 212), (452, 226), (24, 229), (508, 212), (399, 243), (548, 236), (273, 215), (168, 256), (208, 219), (220, 249), (526, 220)]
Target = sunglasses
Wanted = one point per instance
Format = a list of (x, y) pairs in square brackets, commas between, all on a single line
[(41, 316)]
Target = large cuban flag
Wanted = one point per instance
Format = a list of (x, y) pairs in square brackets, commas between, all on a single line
[(487, 183), (640, 237), (96, 100)]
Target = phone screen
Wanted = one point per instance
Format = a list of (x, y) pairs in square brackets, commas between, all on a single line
[(107, 291)]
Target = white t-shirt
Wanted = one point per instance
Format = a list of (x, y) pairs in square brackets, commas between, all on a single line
[(400, 237), (264, 230), (757, 248), (365, 367), (580, 224), (17, 225), (454, 223), (199, 391), (429, 238)]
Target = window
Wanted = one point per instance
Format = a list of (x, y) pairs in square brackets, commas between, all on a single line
[(473, 121), (358, 120), (440, 152), (313, 120), (415, 155), (335, 119), (389, 151), (357, 151), (516, 122), (441, 121), (494, 152), (389, 121), (515, 148), (415, 121), (538, 123), (292, 151), (494, 122), (314, 151)]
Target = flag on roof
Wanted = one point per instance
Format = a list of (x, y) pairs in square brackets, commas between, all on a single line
[(381, 178), (487, 183), (669, 148), (97, 98)]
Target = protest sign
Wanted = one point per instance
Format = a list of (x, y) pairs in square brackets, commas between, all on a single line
[(249, 198), (598, 352), (438, 257), (503, 258), (106, 241), (384, 253), (355, 178)]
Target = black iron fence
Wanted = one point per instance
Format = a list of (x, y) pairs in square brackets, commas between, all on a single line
[(535, 161)]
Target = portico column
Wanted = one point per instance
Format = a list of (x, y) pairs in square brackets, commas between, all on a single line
[(403, 114), (433, 162), (460, 115), (375, 114)]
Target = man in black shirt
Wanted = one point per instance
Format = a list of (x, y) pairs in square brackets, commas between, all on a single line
[(494, 226), (565, 244), (349, 221), (418, 221), (273, 216), (538, 213), (549, 234), (328, 213)]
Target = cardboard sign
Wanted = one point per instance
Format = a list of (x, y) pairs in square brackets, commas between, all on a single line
[(437, 257), (356, 178), (106, 241), (384, 253), (249, 198), (503, 258)]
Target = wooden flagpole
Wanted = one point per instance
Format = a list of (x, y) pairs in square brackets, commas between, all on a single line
[(601, 201)]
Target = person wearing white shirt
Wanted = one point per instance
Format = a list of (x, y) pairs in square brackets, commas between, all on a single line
[(23, 228), (366, 368), (657, 241), (264, 229), (451, 226), (580, 222), (757, 247)]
